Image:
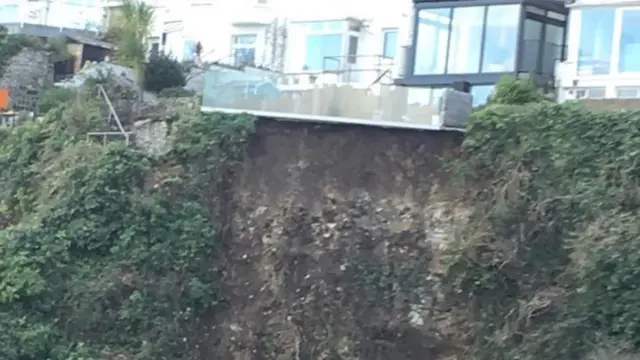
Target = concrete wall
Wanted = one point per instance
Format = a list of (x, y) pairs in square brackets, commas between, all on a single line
[(26, 76)]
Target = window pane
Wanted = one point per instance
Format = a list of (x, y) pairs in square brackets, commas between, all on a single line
[(630, 41), (552, 48), (319, 47), (245, 56), (532, 40), (431, 43), (466, 40), (628, 92), (9, 13), (596, 37), (480, 94), (591, 93), (502, 38), (244, 39), (390, 43)]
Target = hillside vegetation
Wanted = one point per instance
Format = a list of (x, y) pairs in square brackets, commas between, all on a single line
[(547, 266), (106, 252)]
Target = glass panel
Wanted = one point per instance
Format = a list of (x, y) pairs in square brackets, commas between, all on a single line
[(431, 43), (319, 47), (248, 39), (390, 43), (466, 40), (596, 37), (630, 41), (532, 40), (9, 13), (246, 56), (628, 92), (263, 91), (552, 50), (480, 94), (591, 93), (502, 38)]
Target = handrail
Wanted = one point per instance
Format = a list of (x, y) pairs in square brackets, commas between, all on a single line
[(112, 110)]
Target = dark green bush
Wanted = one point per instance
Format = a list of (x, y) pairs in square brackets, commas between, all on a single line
[(54, 97), (163, 72)]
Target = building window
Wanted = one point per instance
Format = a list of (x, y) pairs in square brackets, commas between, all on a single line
[(390, 43), (244, 49), (431, 42), (324, 45), (9, 13), (596, 38), (155, 48), (502, 38), (323, 52), (590, 93), (480, 94), (628, 92), (189, 50), (630, 41), (465, 45), (531, 42), (552, 48)]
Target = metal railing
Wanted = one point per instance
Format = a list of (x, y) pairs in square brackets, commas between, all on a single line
[(112, 116)]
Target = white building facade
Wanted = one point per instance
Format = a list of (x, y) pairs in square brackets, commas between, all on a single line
[(336, 42), (73, 14), (603, 51)]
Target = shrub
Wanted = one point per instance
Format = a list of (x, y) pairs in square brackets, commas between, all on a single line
[(163, 72), (53, 97)]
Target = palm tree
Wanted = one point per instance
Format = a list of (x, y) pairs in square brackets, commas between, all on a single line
[(134, 26)]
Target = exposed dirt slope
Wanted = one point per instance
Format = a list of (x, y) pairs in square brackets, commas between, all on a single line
[(332, 240)]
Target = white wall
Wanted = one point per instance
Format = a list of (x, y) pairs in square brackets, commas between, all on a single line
[(212, 25), (86, 14)]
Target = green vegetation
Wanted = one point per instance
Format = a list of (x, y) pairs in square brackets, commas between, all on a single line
[(104, 251), (163, 72), (547, 265), (131, 36)]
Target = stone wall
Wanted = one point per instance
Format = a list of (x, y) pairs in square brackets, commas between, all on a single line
[(26, 76)]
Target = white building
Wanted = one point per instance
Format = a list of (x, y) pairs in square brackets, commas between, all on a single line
[(603, 51), (73, 14), (350, 41)]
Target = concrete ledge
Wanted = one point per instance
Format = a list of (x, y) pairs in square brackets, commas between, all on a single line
[(279, 116)]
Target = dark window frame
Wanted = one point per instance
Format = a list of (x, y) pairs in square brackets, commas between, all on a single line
[(411, 79)]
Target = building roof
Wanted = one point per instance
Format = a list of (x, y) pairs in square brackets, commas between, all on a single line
[(88, 40)]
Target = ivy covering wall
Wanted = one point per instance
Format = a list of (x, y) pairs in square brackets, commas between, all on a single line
[(547, 265)]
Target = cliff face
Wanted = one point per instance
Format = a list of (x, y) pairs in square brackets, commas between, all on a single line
[(331, 248)]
